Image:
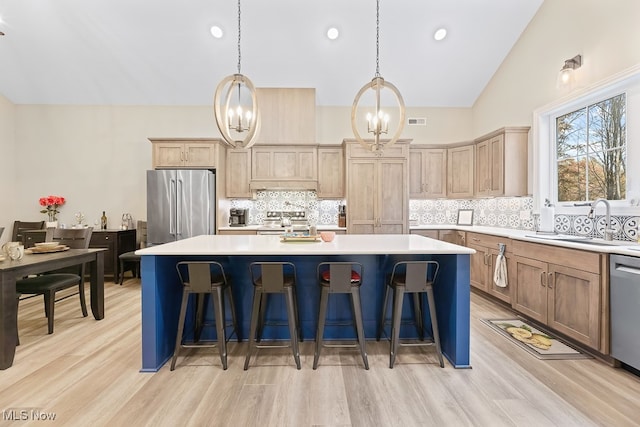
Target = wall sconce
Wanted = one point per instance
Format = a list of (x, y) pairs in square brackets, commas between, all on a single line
[(566, 77)]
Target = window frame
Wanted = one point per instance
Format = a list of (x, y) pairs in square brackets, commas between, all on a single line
[(544, 133)]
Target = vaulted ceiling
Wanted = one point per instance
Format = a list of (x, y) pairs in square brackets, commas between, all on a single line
[(161, 52)]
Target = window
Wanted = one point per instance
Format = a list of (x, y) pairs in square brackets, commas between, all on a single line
[(591, 152)]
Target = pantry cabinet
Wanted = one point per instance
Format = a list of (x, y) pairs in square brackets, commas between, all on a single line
[(185, 153), (377, 190), (561, 288), (427, 173)]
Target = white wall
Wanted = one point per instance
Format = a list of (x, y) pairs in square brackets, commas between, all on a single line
[(8, 168), (605, 33)]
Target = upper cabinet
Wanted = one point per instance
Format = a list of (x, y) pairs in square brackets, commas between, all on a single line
[(280, 167), (501, 162), (198, 153), (460, 167), (238, 173), (330, 172), (427, 173), (287, 115)]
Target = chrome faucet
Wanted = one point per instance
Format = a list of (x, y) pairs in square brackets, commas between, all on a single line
[(608, 230)]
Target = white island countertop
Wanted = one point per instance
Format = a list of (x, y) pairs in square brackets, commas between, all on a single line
[(343, 244)]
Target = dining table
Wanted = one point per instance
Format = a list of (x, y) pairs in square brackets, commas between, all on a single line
[(36, 263)]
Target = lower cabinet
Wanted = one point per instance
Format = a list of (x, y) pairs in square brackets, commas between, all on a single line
[(456, 237), (483, 264), (561, 288), (116, 242)]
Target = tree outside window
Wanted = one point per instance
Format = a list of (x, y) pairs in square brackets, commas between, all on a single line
[(591, 152)]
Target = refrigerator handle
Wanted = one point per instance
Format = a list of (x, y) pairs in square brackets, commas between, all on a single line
[(180, 187), (172, 222)]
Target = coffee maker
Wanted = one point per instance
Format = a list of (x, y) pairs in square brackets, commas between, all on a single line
[(238, 217)]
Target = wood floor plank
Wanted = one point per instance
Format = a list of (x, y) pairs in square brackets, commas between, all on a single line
[(87, 373)]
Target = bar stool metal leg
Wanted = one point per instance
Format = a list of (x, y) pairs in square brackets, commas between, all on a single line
[(218, 303), (183, 312), (255, 313), (384, 312), (293, 327), (357, 314), (396, 318), (322, 313)]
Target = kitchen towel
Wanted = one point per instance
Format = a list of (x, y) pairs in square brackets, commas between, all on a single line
[(547, 219), (500, 273)]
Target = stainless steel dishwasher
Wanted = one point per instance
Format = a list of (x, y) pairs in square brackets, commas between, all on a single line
[(625, 309)]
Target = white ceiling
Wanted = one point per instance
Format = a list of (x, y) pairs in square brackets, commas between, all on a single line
[(160, 52)]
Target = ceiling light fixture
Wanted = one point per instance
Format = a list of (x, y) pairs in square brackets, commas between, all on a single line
[(333, 33), (440, 34), (234, 121), (378, 122), (566, 76), (216, 32)]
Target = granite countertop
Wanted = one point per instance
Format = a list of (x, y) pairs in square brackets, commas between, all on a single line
[(575, 242), (342, 244)]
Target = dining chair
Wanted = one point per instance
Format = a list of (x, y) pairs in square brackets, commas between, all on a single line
[(51, 282), (129, 260), (19, 227)]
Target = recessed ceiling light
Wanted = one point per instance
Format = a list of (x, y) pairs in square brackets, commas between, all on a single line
[(440, 34), (333, 33), (216, 31)]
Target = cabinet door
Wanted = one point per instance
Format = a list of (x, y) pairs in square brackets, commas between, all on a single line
[(460, 171), (496, 158), (107, 240), (479, 266), (284, 163), (238, 173), (330, 173), (574, 303), (530, 293), (435, 171), (168, 154), (416, 173), (200, 155), (432, 234), (391, 203), (452, 236), (502, 293), (361, 193), (483, 168)]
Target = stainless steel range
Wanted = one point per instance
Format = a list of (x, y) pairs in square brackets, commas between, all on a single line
[(277, 222)]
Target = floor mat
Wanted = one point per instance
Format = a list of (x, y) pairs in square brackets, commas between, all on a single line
[(538, 342)]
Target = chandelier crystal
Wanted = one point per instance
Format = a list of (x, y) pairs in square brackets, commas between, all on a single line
[(378, 120), (236, 106)]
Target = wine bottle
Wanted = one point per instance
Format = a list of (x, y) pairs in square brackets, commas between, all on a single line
[(103, 221)]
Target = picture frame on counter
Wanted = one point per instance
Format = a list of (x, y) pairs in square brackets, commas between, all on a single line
[(465, 217)]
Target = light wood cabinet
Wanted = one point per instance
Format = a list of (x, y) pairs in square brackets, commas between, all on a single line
[(238, 173), (427, 173), (330, 172), (501, 162), (185, 153), (483, 264), (433, 234), (377, 190), (284, 167), (456, 237), (237, 232), (287, 115), (561, 288), (460, 172)]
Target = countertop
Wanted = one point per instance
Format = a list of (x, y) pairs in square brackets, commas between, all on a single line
[(256, 227), (594, 245), (343, 244)]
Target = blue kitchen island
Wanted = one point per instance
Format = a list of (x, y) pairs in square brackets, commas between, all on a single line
[(162, 290)]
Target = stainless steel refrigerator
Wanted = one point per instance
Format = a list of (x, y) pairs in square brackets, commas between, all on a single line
[(180, 204)]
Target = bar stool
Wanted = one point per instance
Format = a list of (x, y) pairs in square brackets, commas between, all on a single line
[(202, 278), (411, 277), (271, 278), (340, 278)]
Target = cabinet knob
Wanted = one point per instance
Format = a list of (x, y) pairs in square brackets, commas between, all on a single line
[(550, 280), (542, 277)]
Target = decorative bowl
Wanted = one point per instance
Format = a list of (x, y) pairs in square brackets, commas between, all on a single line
[(327, 236)]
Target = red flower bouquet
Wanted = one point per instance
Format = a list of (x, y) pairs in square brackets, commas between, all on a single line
[(50, 204)]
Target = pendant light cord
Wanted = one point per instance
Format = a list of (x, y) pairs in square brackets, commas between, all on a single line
[(377, 38), (239, 55)]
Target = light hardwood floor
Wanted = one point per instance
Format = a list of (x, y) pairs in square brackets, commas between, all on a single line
[(86, 373)]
